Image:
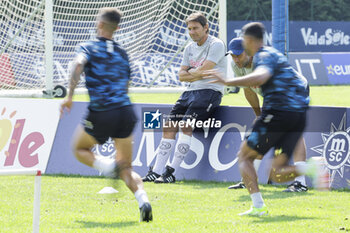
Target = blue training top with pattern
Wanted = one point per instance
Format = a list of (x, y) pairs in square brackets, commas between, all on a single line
[(107, 73), (286, 90)]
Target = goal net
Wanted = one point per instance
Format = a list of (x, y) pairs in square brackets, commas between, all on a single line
[(38, 39)]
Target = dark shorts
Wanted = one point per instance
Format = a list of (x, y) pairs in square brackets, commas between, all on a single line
[(197, 104), (278, 129), (115, 123)]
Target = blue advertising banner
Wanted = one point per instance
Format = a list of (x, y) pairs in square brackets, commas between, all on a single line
[(234, 29), (331, 140), (322, 68), (319, 36), (337, 67), (305, 36), (311, 66), (318, 68), (213, 151)]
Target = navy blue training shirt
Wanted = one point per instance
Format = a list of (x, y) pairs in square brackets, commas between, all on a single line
[(107, 73), (286, 90)]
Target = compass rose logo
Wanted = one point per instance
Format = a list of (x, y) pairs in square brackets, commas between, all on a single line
[(336, 149)]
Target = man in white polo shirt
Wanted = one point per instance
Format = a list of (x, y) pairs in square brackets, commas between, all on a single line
[(198, 102)]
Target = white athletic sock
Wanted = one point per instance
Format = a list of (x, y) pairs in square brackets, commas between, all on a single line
[(181, 150), (164, 150), (258, 202), (301, 167), (104, 165), (301, 178), (141, 197), (256, 164)]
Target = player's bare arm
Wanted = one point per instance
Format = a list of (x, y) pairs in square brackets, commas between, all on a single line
[(253, 100), (190, 75), (77, 70), (257, 78)]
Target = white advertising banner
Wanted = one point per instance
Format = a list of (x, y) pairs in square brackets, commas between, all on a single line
[(27, 131)]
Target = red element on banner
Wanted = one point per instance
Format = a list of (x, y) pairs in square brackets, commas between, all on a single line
[(7, 78)]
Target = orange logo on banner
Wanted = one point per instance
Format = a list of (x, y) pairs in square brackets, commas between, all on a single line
[(7, 79)]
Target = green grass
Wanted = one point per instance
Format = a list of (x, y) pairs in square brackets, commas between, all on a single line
[(338, 96), (71, 204)]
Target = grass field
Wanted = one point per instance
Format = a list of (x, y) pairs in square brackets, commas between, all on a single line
[(320, 96), (72, 205)]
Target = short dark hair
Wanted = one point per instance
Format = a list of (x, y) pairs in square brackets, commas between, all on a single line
[(110, 15), (254, 29), (197, 17)]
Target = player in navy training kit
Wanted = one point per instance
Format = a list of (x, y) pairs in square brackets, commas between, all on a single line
[(282, 121), (110, 112), (241, 65)]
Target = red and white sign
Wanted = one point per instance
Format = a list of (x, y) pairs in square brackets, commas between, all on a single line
[(27, 131)]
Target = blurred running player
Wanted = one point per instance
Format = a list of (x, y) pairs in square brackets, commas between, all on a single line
[(243, 64), (110, 112), (282, 120)]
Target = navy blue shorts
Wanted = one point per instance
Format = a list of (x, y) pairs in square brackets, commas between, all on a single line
[(278, 129), (197, 104), (115, 123)]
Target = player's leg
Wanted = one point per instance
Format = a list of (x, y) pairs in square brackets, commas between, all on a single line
[(281, 171), (165, 148), (82, 144), (167, 144), (256, 164), (246, 157), (163, 152), (266, 132), (132, 179), (293, 124), (124, 120), (181, 150), (201, 105), (124, 158), (299, 155), (182, 146)]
